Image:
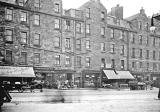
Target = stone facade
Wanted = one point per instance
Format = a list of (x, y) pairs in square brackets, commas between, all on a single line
[(145, 61)]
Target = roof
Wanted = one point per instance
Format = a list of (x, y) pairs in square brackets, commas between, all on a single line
[(13, 71), (125, 75), (132, 17)]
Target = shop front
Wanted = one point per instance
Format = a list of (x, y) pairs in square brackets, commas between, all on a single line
[(91, 79), (53, 78), (64, 78), (45, 75), (142, 76)]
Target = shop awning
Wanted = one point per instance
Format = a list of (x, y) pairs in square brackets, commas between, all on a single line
[(124, 75), (10, 71), (110, 74)]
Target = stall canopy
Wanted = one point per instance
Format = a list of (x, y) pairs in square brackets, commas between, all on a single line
[(111, 74), (125, 75), (10, 71)]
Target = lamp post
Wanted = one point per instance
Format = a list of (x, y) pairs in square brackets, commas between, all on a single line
[(1, 58)]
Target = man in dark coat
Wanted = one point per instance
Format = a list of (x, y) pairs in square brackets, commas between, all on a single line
[(159, 94)]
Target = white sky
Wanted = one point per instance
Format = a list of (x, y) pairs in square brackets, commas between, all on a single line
[(130, 7)]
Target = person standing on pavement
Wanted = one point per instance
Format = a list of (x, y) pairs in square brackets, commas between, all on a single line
[(159, 94)]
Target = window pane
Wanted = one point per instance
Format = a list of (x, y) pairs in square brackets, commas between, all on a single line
[(24, 58), (88, 44), (57, 7), (88, 28), (78, 27), (9, 35), (78, 44), (9, 14), (24, 16), (36, 58), (102, 31), (57, 41), (67, 24), (9, 56), (102, 15), (68, 43), (68, 60), (78, 61), (88, 61), (23, 37), (36, 39), (88, 12), (37, 19), (57, 23), (57, 59), (37, 3)]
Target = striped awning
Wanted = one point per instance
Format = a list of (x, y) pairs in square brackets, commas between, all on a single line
[(13, 71)]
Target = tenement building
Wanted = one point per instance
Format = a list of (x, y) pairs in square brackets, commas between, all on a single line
[(144, 47), (77, 46), (42, 35)]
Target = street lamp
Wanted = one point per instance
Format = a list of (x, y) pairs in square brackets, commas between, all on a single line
[(1, 57)]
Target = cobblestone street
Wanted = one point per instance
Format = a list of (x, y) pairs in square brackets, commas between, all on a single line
[(84, 101)]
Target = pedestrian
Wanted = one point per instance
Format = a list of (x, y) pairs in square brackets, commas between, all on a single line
[(159, 94)]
